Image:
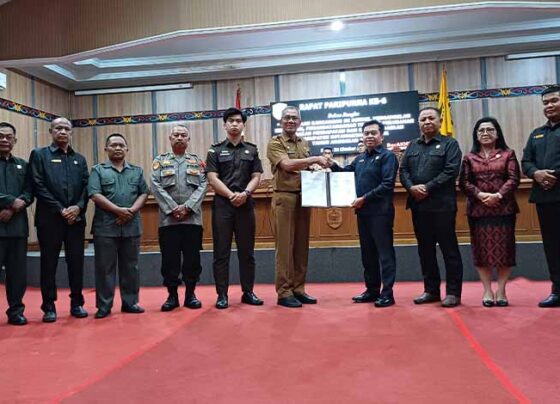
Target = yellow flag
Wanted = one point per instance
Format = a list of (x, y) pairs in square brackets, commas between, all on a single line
[(445, 108)]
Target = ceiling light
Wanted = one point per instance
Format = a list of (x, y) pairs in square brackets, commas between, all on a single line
[(134, 89), (532, 55), (337, 25)]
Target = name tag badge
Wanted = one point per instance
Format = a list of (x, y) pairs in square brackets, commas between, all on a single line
[(56, 161), (192, 171), (191, 161), (166, 163), (167, 173), (538, 136), (223, 153)]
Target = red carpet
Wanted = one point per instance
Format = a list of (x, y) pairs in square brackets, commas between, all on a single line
[(330, 353)]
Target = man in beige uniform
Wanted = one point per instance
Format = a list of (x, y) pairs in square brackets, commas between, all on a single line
[(288, 154)]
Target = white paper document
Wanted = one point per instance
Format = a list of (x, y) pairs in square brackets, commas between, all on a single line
[(326, 189)]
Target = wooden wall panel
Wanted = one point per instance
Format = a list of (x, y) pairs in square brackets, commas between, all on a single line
[(465, 114), (18, 88), (124, 104), (198, 98), (201, 137), (377, 80), (517, 117), (309, 86), (81, 106), (426, 77), (527, 72), (52, 99)]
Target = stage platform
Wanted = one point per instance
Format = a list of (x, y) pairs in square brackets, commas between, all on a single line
[(327, 264), (333, 352)]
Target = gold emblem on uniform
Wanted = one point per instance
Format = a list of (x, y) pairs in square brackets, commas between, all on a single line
[(167, 173), (156, 165), (539, 136), (334, 218), (191, 161), (166, 163), (56, 161), (192, 171)]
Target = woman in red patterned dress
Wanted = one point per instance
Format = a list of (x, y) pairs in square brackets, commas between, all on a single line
[(489, 177)]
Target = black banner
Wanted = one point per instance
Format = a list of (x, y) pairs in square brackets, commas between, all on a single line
[(337, 122)]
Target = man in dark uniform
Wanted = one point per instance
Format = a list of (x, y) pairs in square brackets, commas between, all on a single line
[(15, 196), (179, 186), (429, 168), (119, 191), (375, 171), (541, 162), (60, 177), (288, 155), (234, 171)]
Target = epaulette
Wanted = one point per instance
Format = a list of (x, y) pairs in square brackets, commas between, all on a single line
[(219, 143)]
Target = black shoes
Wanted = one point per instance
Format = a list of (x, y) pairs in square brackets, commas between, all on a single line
[(553, 300), (17, 319), (427, 298), (222, 302), (384, 301), (289, 301), (191, 301), (304, 298), (171, 303), (365, 297), (102, 313), (251, 298), (502, 302), (78, 312), (488, 302), (451, 301), (49, 316), (135, 309)]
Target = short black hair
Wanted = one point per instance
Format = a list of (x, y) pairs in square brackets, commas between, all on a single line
[(551, 89), (8, 125), (327, 148), (374, 122), (500, 141), (437, 110), (234, 111), (115, 135)]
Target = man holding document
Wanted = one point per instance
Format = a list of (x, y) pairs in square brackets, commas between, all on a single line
[(288, 155), (375, 171)]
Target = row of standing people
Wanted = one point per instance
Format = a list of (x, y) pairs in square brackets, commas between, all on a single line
[(58, 177)]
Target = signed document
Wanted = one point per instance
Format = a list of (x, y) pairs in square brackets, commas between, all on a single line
[(326, 189)]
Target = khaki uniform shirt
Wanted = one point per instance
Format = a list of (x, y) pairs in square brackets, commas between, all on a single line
[(279, 148), (179, 181)]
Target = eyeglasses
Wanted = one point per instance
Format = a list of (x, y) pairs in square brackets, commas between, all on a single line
[(289, 118), (490, 131), (7, 137)]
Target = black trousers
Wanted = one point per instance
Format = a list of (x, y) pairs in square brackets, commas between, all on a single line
[(549, 219), (111, 252), (433, 228), (378, 253), (226, 221), (182, 240), (13, 255), (51, 236)]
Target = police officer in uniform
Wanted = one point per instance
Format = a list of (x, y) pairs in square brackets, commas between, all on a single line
[(541, 162), (288, 155), (234, 171), (60, 177), (119, 191), (15, 196), (179, 186)]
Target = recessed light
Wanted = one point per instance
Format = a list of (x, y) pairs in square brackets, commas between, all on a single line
[(337, 25)]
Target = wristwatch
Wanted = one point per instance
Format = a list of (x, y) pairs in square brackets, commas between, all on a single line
[(248, 192)]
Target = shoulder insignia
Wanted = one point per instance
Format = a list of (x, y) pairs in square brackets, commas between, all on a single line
[(218, 143), (211, 150), (156, 165)]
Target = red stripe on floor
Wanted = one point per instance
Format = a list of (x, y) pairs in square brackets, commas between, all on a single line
[(487, 360)]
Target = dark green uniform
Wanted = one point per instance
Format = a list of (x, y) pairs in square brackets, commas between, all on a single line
[(14, 183), (235, 166), (116, 244)]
